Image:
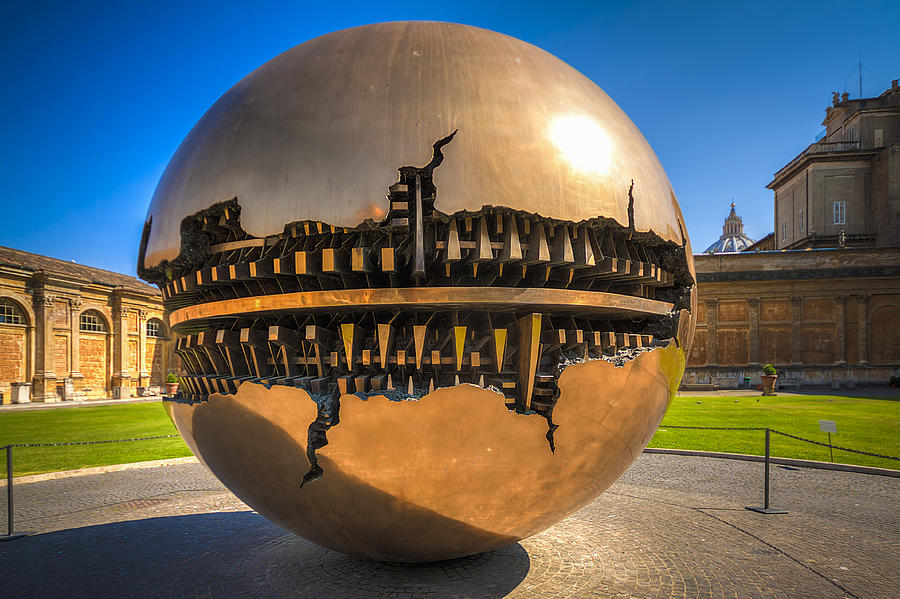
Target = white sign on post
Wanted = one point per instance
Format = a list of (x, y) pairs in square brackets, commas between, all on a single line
[(828, 426)]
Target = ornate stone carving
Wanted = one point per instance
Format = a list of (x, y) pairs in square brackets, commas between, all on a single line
[(44, 299)]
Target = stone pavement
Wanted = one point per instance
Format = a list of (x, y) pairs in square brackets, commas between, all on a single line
[(671, 527)]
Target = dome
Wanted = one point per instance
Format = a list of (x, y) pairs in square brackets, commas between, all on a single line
[(319, 132), (733, 239)]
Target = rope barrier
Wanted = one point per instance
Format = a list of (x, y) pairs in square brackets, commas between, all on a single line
[(874, 455), (90, 442), (765, 509), (11, 534), (696, 428), (717, 428), (733, 428)]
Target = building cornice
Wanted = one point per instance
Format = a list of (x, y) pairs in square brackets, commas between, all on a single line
[(800, 274), (785, 264), (793, 167)]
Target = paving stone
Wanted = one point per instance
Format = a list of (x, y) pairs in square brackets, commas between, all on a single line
[(672, 526)]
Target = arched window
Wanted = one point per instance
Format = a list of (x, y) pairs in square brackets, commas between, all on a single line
[(10, 312), (92, 322), (154, 328)]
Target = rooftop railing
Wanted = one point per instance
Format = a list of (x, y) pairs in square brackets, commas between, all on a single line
[(821, 147)]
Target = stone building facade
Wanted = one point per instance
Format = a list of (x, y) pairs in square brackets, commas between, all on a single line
[(69, 331), (822, 317), (844, 190)]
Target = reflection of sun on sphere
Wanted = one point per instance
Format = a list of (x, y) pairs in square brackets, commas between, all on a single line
[(582, 142), (449, 368)]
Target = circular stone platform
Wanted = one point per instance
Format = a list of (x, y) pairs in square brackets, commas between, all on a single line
[(670, 527)]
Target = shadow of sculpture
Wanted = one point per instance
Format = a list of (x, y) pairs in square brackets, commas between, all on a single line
[(234, 554)]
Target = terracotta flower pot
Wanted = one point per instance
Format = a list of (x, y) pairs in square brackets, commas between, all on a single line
[(171, 388), (768, 384)]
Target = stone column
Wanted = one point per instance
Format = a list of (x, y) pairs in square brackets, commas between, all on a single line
[(863, 301), (711, 316), (143, 375), (121, 375), (796, 330), (840, 329), (74, 330), (753, 333), (30, 340), (44, 387)]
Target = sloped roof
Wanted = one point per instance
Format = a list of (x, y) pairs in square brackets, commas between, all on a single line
[(34, 262)]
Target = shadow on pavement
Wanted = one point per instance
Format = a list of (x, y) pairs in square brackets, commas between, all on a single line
[(232, 554)]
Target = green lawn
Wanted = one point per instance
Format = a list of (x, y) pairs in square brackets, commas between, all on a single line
[(867, 424), (871, 425), (87, 424)]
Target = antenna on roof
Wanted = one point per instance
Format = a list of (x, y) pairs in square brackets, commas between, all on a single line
[(859, 50)]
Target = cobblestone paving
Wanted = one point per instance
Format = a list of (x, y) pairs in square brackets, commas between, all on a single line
[(673, 526)]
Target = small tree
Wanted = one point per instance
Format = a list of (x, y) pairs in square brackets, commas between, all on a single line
[(171, 378), (769, 370)]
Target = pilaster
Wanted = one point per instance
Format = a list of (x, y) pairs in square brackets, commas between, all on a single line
[(840, 329), (753, 333), (796, 330), (143, 375), (74, 331), (122, 382), (712, 306), (863, 302), (44, 384)]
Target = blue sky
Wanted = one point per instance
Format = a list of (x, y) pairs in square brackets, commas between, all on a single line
[(98, 95)]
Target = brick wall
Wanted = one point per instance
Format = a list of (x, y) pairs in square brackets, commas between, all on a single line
[(155, 361), (61, 355), (93, 362), (731, 346), (60, 313), (12, 357), (133, 357), (886, 336), (774, 344), (825, 316), (698, 349)]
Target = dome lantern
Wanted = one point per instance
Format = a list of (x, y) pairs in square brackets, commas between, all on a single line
[(733, 239)]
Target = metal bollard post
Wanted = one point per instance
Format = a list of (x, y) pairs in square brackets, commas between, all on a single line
[(765, 509), (10, 536), (9, 492)]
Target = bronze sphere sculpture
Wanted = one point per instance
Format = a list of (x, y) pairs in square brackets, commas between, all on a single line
[(432, 287)]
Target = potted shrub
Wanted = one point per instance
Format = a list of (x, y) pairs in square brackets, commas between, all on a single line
[(171, 384), (769, 376)]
